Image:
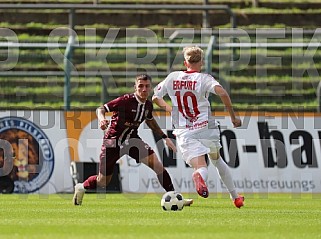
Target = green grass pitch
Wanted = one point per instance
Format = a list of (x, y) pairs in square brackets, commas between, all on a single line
[(140, 216)]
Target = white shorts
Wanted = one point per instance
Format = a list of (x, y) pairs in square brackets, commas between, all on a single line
[(199, 144)]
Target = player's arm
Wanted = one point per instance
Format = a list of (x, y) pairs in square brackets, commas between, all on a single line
[(152, 124), (225, 98), (102, 122), (159, 92), (162, 103)]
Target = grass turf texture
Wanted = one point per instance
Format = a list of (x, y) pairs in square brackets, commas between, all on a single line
[(140, 216)]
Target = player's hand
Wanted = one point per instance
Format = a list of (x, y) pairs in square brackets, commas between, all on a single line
[(171, 145), (236, 122), (103, 124)]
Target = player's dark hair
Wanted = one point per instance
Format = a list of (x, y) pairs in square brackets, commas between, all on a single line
[(143, 77)]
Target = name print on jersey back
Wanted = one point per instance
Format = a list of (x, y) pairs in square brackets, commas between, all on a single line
[(183, 84)]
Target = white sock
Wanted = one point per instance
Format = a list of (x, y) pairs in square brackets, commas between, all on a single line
[(203, 172), (81, 186), (225, 176)]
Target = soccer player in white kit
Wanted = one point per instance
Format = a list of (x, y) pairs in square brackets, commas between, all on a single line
[(196, 131)]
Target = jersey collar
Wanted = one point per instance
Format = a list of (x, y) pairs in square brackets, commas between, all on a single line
[(190, 72), (139, 101)]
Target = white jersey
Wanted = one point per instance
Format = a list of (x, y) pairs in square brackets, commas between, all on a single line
[(189, 93)]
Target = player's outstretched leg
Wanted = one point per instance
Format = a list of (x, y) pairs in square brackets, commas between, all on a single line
[(79, 194)]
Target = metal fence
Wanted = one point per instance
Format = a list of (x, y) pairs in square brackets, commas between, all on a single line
[(210, 48), (72, 8), (211, 45), (70, 47)]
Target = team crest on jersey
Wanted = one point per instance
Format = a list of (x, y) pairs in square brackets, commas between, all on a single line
[(32, 156)]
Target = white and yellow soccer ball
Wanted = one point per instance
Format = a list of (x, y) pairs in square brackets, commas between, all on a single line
[(172, 201)]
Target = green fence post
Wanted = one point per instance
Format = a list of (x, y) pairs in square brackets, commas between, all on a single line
[(68, 60), (104, 93), (205, 23), (319, 96), (209, 55), (68, 67)]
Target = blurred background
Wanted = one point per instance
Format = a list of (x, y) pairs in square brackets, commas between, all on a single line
[(74, 54)]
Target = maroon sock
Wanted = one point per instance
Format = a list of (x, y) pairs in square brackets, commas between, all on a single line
[(165, 181), (91, 182)]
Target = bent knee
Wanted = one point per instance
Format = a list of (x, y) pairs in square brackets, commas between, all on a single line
[(103, 181), (214, 156)]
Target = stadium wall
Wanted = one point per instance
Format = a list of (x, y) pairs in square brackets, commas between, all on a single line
[(271, 152)]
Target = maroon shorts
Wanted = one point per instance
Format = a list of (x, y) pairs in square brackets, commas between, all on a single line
[(111, 152)]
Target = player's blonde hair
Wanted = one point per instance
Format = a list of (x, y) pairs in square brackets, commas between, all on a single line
[(193, 54)]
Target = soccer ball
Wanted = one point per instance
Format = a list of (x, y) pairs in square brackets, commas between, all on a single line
[(172, 201)]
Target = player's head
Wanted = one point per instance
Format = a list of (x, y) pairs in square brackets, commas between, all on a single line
[(143, 86), (193, 57)]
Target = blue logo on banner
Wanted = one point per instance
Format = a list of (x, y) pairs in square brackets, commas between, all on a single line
[(33, 161)]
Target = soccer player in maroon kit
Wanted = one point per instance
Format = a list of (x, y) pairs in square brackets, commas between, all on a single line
[(121, 137)]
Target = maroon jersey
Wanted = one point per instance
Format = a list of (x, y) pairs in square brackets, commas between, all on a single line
[(122, 137), (128, 114)]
